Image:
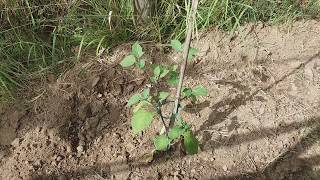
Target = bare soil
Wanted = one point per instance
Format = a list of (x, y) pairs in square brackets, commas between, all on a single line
[(260, 121)]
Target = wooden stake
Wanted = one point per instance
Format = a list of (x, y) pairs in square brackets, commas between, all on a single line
[(185, 62)]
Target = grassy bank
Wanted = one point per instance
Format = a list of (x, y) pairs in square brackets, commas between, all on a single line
[(38, 36)]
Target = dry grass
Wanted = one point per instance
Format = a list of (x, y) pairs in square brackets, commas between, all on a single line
[(39, 36)]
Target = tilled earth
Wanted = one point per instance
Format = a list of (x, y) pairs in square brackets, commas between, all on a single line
[(260, 121)]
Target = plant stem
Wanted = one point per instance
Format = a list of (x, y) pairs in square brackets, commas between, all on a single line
[(162, 118), (185, 61)]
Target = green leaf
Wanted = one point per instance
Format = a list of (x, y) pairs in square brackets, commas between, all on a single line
[(187, 91), (164, 73), (173, 81), (143, 104), (176, 45), (200, 91), (146, 93), (153, 79), (183, 89), (192, 53), (137, 50), (141, 64), (174, 68), (157, 71), (190, 142), (134, 99), (161, 142), (128, 61), (175, 132), (141, 120), (193, 98), (163, 95)]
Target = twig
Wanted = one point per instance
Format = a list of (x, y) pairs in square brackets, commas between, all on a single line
[(162, 118), (185, 61)]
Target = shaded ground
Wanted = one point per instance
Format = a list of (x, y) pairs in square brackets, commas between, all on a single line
[(261, 120)]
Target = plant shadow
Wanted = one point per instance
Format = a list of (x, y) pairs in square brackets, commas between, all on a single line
[(224, 108), (289, 165)]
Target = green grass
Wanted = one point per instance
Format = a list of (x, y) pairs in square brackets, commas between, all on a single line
[(38, 36)]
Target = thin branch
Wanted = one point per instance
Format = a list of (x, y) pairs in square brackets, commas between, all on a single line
[(159, 111), (185, 61)]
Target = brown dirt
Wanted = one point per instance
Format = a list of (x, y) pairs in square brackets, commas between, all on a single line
[(261, 120)]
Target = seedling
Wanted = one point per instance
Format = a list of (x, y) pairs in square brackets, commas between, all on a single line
[(149, 103), (134, 58)]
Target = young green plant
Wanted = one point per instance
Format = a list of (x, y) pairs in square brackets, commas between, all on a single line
[(149, 103)]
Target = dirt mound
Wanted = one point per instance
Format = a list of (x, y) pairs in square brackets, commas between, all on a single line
[(261, 120)]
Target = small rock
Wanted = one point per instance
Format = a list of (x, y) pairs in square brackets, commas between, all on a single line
[(15, 142), (54, 163), (80, 149), (308, 73), (38, 163), (59, 158), (99, 95), (69, 149), (182, 172), (225, 168)]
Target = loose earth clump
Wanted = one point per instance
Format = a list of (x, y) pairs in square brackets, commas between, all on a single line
[(261, 119)]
